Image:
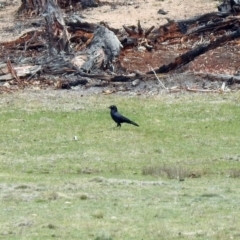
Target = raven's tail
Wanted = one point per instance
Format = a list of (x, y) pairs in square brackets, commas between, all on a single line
[(133, 123)]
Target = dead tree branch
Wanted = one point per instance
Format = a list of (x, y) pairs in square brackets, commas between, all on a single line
[(192, 54)]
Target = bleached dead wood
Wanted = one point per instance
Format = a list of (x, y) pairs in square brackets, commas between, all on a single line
[(58, 36), (204, 90), (9, 71), (160, 82), (229, 79), (101, 52)]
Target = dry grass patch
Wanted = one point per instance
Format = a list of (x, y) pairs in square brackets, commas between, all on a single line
[(179, 172), (234, 173)]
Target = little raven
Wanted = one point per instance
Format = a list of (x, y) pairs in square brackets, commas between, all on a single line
[(118, 118)]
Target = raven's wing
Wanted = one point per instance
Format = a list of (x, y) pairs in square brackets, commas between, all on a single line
[(121, 119)]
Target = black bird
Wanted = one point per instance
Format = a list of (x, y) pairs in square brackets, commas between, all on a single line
[(118, 118)]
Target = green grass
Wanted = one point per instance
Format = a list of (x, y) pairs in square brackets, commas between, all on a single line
[(119, 183)]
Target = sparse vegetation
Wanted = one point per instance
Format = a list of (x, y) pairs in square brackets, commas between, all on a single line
[(171, 172), (119, 184), (234, 173)]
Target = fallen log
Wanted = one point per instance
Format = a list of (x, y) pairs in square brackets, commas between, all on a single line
[(204, 18), (216, 25), (8, 71), (209, 22), (203, 90), (229, 6), (229, 79), (192, 54), (70, 84)]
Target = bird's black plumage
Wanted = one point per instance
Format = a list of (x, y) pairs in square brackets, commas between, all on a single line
[(118, 118)]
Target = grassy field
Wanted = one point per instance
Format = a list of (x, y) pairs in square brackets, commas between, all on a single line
[(176, 176)]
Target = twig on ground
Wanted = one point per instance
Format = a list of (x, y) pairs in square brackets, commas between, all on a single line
[(203, 90), (13, 72), (158, 78)]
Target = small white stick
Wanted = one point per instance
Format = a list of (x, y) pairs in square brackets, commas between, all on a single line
[(223, 86), (158, 78)]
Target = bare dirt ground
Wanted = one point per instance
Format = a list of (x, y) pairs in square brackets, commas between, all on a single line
[(120, 13), (129, 12), (8, 10)]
